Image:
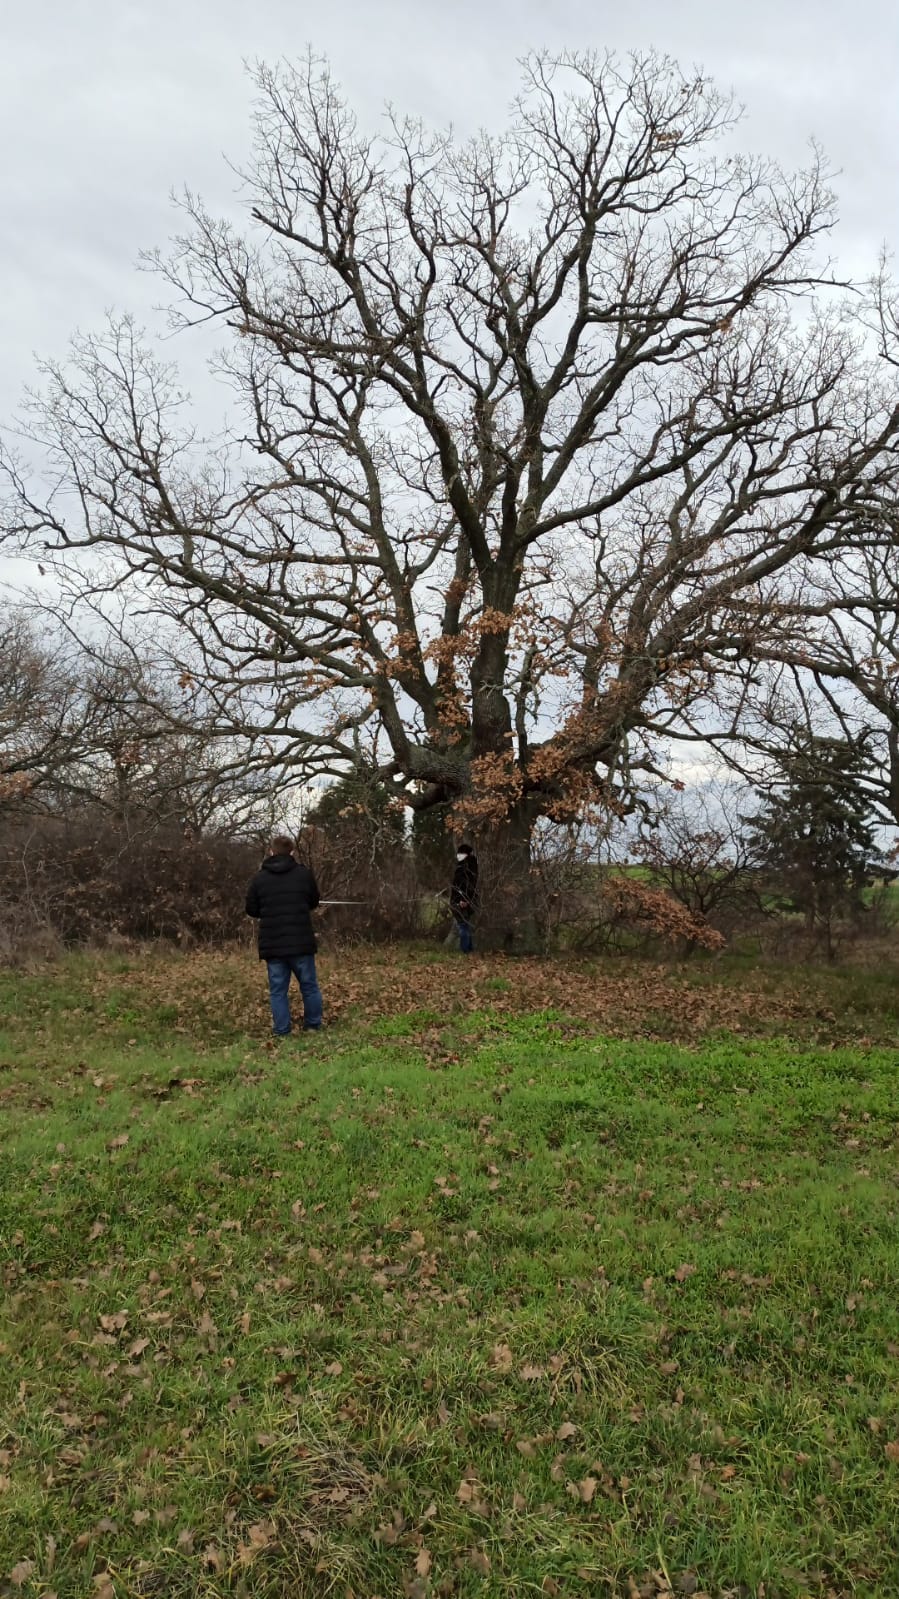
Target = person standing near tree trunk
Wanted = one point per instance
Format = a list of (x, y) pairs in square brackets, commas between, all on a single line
[(464, 896), (282, 897)]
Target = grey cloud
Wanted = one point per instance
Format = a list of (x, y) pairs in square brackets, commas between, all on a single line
[(106, 105)]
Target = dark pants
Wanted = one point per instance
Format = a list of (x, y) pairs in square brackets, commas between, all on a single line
[(465, 931), (302, 967)]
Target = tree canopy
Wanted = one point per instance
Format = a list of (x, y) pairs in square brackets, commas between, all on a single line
[(545, 435)]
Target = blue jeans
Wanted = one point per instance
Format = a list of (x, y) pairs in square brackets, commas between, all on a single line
[(302, 967), (466, 934)]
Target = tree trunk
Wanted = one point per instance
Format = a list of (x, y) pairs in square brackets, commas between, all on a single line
[(508, 919)]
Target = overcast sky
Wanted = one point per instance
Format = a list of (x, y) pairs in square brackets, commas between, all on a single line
[(107, 105)]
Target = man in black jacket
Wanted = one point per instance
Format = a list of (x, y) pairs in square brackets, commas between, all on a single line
[(282, 897), (464, 896)]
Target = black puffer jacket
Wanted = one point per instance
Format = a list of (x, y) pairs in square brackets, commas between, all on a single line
[(282, 895), (464, 890)]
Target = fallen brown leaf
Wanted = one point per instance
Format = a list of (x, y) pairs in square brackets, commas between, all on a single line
[(259, 1537), (471, 1493), (114, 1323)]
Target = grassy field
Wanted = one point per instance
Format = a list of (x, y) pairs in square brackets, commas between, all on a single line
[(519, 1279)]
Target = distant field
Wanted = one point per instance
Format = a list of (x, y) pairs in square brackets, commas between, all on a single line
[(523, 1278)]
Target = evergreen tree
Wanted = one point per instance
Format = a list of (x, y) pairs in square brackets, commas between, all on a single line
[(814, 833), (362, 818)]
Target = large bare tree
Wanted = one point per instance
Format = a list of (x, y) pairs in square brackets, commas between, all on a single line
[(540, 431)]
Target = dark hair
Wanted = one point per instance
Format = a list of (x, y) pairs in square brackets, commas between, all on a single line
[(464, 849), (282, 845)]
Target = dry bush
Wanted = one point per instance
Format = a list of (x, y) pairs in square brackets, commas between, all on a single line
[(26, 937), (382, 882), (87, 880), (698, 851), (633, 906)]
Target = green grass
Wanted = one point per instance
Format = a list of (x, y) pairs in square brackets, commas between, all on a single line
[(516, 1309)]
